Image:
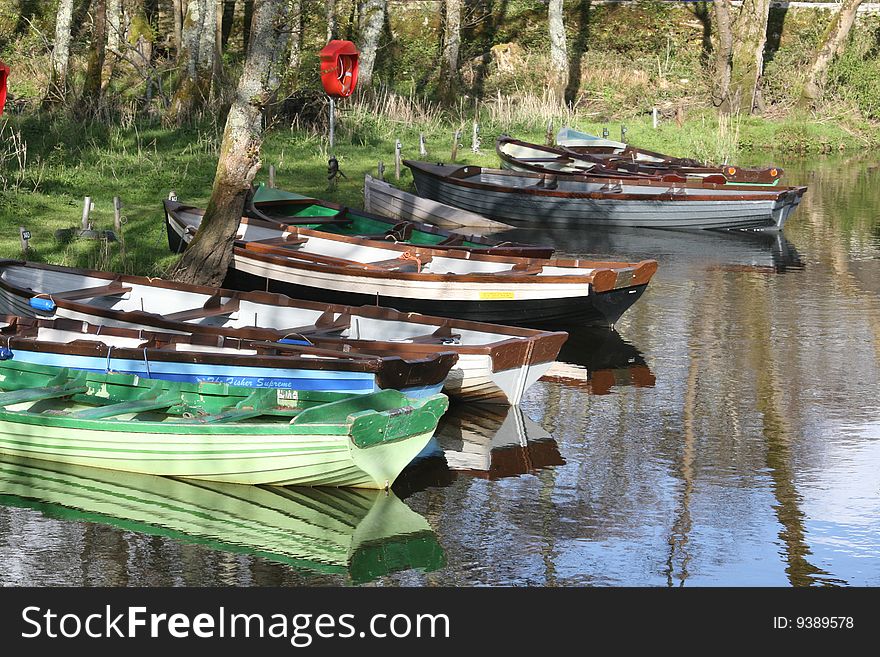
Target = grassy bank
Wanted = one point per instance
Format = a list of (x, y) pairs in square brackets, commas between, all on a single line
[(47, 168)]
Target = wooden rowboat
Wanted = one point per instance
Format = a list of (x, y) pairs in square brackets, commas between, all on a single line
[(517, 155), (504, 289), (573, 201), (293, 209), (390, 201), (496, 364), (211, 431), (202, 358), (621, 156), (358, 533)]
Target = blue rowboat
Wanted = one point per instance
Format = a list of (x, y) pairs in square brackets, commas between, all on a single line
[(216, 359)]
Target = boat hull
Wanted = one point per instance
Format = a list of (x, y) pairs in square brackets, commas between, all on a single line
[(528, 207), (598, 309), (353, 383), (121, 422)]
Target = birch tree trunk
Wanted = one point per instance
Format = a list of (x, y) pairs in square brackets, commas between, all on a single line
[(750, 36), (331, 19), (197, 59), (177, 10), (832, 46), (91, 95), (558, 49), (723, 56), (372, 18), (115, 31), (449, 79), (115, 36), (296, 34), (61, 50), (207, 258)]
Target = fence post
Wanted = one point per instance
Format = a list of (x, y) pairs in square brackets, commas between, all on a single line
[(455, 139), (397, 147), (423, 152), (117, 224), (87, 209)]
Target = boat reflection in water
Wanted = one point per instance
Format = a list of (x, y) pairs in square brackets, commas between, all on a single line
[(363, 534), (597, 360), (738, 250), (489, 442)]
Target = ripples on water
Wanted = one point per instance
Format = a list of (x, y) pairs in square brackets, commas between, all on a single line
[(728, 433)]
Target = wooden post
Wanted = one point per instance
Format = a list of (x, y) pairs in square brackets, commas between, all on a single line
[(87, 209), (397, 148), (548, 137), (380, 170), (117, 225), (423, 152), (475, 138), (24, 235), (455, 139), (271, 176), (623, 133), (654, 117)]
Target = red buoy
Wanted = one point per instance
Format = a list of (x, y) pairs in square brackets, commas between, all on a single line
[(4, 73), (339, 68)]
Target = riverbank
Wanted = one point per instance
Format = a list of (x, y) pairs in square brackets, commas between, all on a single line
[(49, 167)]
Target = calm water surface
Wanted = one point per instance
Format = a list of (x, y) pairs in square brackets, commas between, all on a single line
[(728, 433)]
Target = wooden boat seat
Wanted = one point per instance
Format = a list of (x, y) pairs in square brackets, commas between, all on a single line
[(155, 403), (397, 264), (441, 335), (282, 241), (92, 292), (323, 325), (39, 394), (401, 232), (452, 240), (526, 269), (212, 308)]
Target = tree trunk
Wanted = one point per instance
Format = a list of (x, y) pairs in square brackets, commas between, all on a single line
[(558, 49), (218, 47), (723, 56), (207, 258), (372, 18), (115, 30), (228, 18), (115, 36), (177, 10), (246, 25), (61, 50), (750, 36), (91, 95), (835, 40), (296, 35), (449, 79), (331, 19), (197, 59)]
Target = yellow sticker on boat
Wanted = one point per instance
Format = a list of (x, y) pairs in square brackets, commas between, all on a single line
[(496, 295)]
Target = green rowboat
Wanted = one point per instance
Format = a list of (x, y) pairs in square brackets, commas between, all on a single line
[(289, 208), (211, 431), (361, 534)]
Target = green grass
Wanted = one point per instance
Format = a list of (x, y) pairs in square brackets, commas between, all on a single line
[(67, 162)]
